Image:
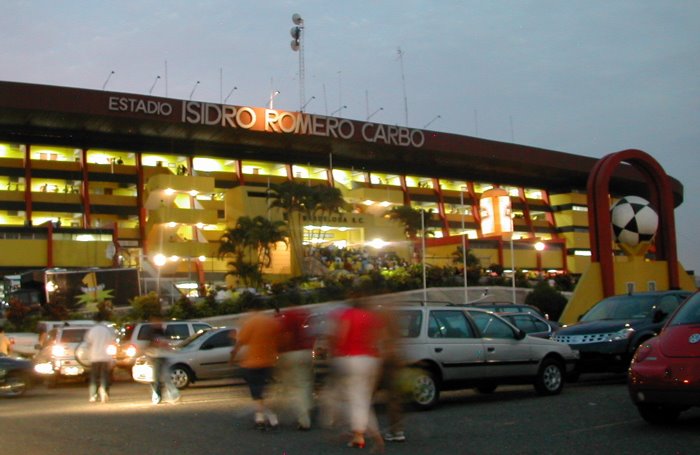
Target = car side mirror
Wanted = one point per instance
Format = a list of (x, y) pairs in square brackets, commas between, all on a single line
[(520, 334)]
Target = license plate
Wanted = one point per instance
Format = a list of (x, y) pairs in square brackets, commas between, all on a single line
[(142, 373), (71, 371)]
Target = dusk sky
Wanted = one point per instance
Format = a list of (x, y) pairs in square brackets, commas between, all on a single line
[(584, 77)]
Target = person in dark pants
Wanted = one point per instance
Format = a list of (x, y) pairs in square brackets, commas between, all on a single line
[(157, 352), (101, 346), (260, 335)]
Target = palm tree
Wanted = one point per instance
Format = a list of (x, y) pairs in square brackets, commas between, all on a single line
[(298, 200), (412, 221), (249, 243), (290, 197)]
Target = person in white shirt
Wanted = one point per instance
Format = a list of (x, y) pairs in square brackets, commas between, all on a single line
[(101, 348)]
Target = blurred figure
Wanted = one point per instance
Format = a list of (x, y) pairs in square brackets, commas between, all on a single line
[(101, 348), (5, 343), (157, 352), (357, 361), (390, 379), (295, 365), (259, 334)]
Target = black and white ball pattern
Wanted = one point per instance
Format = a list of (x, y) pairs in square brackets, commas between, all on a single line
[(633, 220)]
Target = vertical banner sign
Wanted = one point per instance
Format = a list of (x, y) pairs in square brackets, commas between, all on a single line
[(496, 212)]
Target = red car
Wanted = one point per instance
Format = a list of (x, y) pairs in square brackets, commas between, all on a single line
[(664, 377)]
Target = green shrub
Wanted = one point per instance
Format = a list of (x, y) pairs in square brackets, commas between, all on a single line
[(547, 299), (144, 307)]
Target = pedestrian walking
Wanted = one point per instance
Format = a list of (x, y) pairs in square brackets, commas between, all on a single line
[(101, 348), (357, 359), (295, 365), (259, 334), (5, 343), (393, 364), (157, 352)]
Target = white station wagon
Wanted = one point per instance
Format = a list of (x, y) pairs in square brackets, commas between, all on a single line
[(451, 347)]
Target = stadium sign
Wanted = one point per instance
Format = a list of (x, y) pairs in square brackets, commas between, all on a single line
[(268, 120)]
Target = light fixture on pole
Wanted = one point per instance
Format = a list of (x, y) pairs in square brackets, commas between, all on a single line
[(109, 76), (464, 245), (338, 110), (159, 261), (430, 122), (307, 103), (422, 239), (297, 44), (230, 93), (193, 89), (372, 114), (154, 85), (273, 94)]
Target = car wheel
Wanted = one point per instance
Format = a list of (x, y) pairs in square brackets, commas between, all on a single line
[(15, 386), (487, 388), (425, 392), (550, 378), (658, 414), (181, 376)]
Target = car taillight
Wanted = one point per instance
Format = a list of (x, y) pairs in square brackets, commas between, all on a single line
[(111, 349), (643, 352), (58, 350), (131, 351)]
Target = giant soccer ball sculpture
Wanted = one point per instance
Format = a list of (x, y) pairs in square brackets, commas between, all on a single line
[(633, 220)]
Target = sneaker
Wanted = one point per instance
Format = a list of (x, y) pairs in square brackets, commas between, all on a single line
[(176, 400), (93, 399), (104, 396), (395, 437)]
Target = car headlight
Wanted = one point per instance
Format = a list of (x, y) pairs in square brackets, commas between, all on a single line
[(111, 350), (44, 368), (622, 334), (643, 352), (131, 351), (58, 350)]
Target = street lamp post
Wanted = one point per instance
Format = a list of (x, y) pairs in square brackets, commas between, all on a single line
[(512, 265), (464, 247)]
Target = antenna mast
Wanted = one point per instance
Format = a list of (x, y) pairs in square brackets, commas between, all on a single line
[(403, 81)]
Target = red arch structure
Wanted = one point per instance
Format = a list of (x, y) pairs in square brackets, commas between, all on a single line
[(599, 220)]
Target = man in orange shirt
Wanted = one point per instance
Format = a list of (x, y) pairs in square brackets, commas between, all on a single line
[(260, 335)]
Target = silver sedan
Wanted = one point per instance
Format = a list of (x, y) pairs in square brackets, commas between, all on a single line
[(204, 355)]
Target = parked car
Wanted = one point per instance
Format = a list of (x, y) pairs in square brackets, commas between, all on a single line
[(450, 347), (508, 307), (532, 324), (62, 354), (134, 337), (664, 377), (16, 376), (609, 333), (204, 355)]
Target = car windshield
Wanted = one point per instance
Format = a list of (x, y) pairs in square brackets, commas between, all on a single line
[(689, 312), (622, 307), (188, 341), (73, 336)]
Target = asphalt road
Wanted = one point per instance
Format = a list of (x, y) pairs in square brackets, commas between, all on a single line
[(590, 417)]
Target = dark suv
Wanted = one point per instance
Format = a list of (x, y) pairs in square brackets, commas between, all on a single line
[(609, 333)]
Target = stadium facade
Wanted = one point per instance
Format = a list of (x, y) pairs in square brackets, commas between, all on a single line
[(97, 179)]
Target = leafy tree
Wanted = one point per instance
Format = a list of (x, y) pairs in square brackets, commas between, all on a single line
[(473, 264), (547, 299), (144, 307)]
